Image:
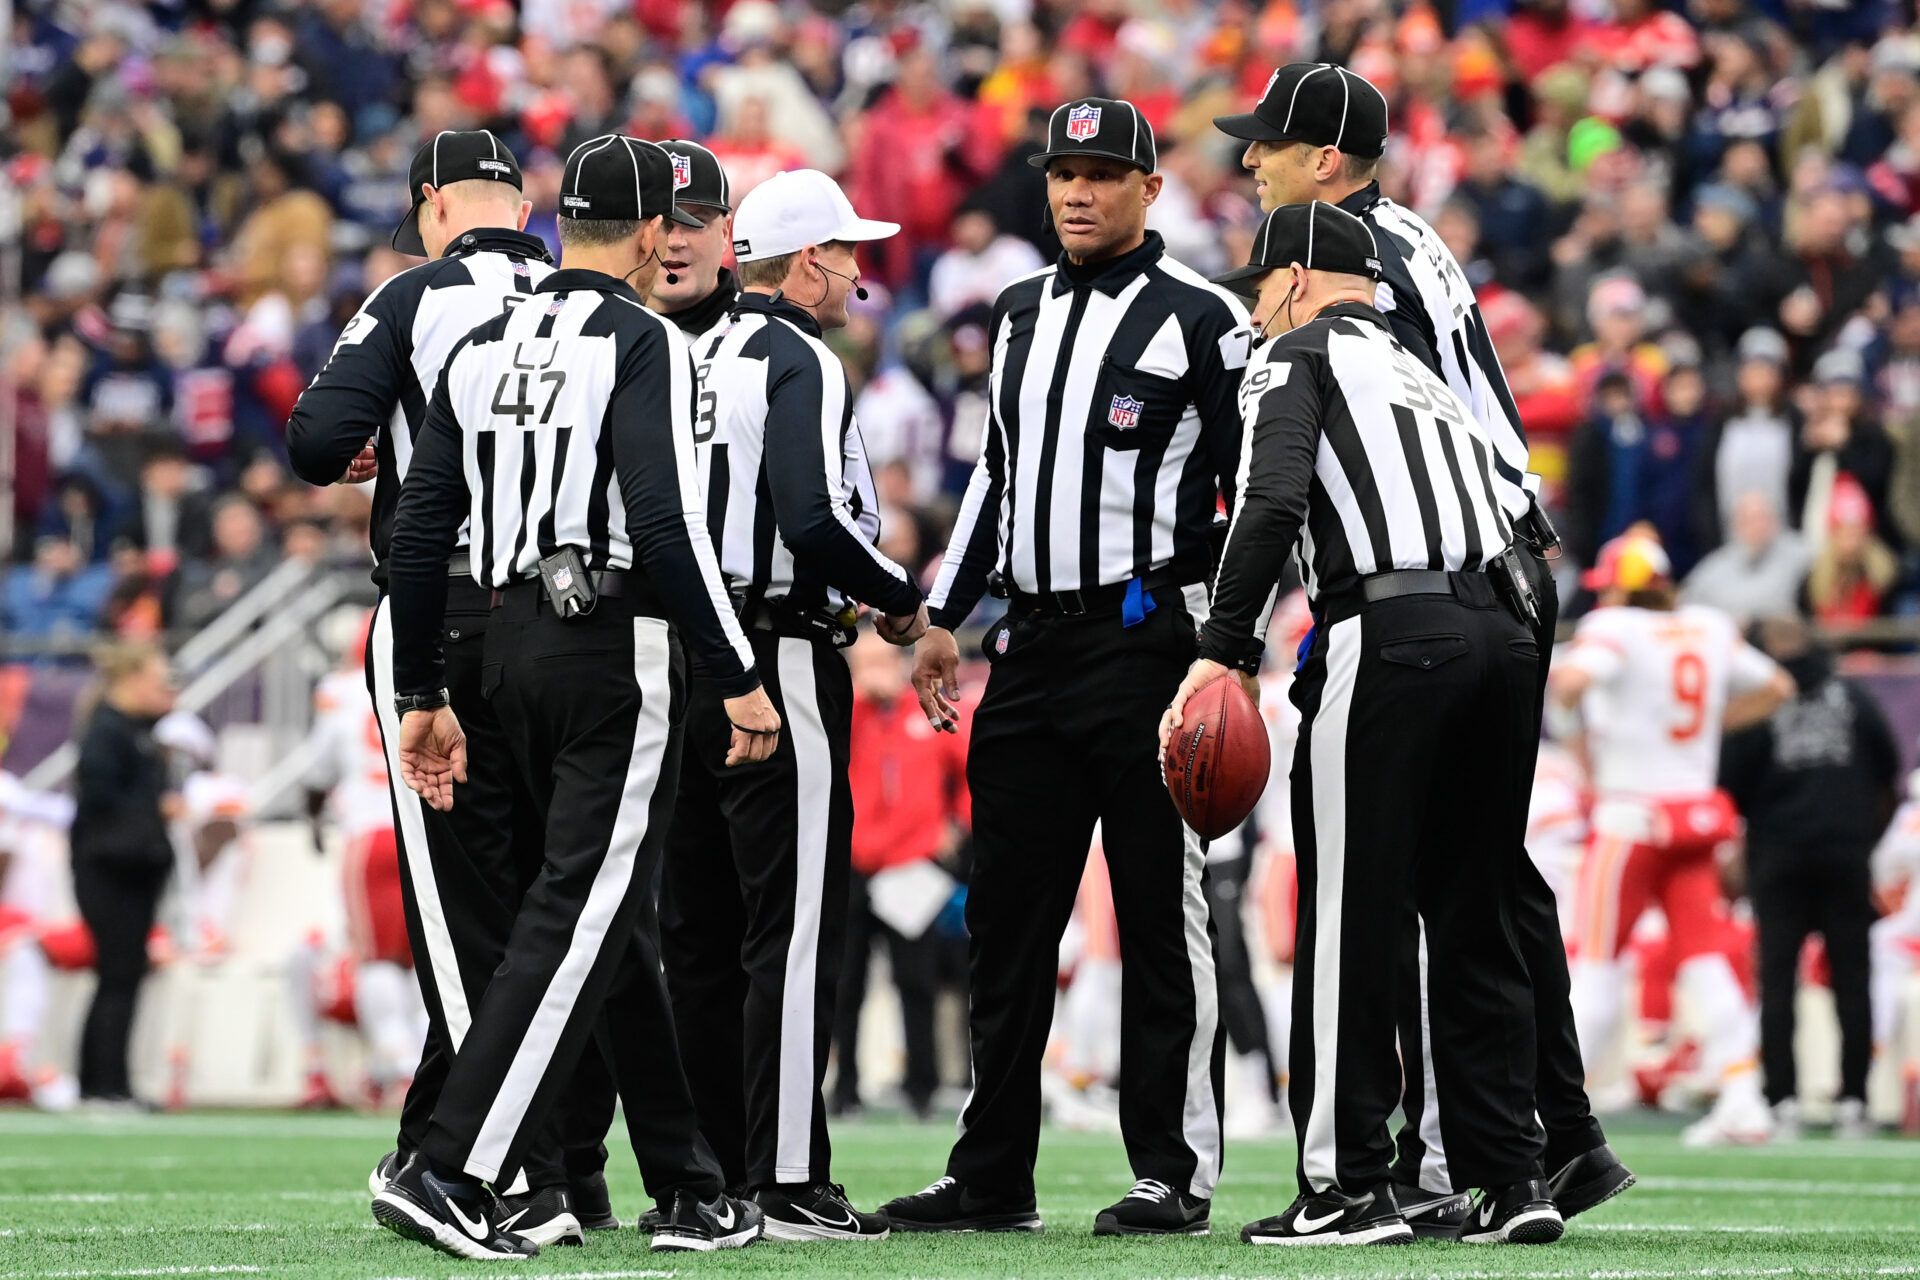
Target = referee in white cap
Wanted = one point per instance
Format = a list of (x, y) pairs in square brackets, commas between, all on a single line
[(754, 899)]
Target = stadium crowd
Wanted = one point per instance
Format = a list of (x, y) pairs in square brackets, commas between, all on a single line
[(1694, 230)]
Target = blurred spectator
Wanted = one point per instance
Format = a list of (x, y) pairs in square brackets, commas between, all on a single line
[(910, 806), (122, 853), (1825, 282), (174, 519), (982, 261), (1515, 222), (1627, 467), (1617, 314), (241, 557), (57, 594), (1815, 784), (1753, 448), (1852, 569), (1839, 439), (1759, 571)]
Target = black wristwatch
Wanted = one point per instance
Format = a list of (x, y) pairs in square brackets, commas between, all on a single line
[(419, 702)]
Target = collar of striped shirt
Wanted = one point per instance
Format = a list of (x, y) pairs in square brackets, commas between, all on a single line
[(1109, 275), (1355, 311), (568, 279), (778, 304), (1362, 200), (499, 240)]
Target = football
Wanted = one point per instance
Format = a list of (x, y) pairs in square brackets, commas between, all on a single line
[(1218, 760)]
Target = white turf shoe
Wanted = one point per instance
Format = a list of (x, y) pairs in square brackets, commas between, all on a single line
[(1850, 1120), (1739, 1118)]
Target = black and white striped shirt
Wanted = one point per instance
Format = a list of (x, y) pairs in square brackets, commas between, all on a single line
[(566, 422), (1359, 458), (1426, 298), (1111, 430), (388, 358), (790, 498)]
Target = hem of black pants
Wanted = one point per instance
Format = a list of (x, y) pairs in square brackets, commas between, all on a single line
[(1571, 1144)]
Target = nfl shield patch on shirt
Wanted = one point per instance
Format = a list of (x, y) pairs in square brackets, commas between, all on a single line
[(1125, 412)]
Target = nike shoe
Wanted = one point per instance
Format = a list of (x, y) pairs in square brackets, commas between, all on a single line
[(383, 1172), (1590, 1178), (650, 1221), (1153, 1208), (1518, 1213), (454, 1217), (690, 1225), (545, 1217), (1432, 1215), (1334, 1218), (591, 1202), (819, 1212), (950, 1205), (1740, 1117)]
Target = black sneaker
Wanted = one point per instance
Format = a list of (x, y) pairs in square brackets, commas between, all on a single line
[(818, 1212), (544, 1216), (1334, 1218), (948, 1205), (649, 1222), (383, 1172), (455, 1217), (591, 1202), (1590, 1178), (1153, 1208), (1433, 1215), (1518, 1213), (691, 1225)]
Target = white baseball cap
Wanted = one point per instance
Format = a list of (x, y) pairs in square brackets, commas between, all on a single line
[(792, 210)]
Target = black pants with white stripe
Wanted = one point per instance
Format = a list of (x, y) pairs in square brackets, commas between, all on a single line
[(1561, 1093), (753, 912), (1410, 786), (590, 710), (463, 872), (1064, 738)]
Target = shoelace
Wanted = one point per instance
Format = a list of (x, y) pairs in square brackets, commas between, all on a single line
[(939, 1184), (1150, 1189)]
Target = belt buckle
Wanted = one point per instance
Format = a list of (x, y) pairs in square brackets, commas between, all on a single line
[(1070, 603)]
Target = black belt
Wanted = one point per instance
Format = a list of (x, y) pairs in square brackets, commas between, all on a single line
[(1106, 598), (1476, 590), (612, 584), (461, 565), (782, 619)]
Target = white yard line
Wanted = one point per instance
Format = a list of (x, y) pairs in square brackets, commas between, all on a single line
[(1865, 1228), (1784, 1186), (130, 1271)]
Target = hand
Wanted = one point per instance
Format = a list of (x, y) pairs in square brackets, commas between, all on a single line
[(433, 755), (1201, 674), (936, 678), (901, 628), (365, 466), (756, 728)]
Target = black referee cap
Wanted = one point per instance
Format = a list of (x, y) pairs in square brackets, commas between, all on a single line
[(698, 177), (1316, 103), (1099, 127), (614, 177), (1318, 236), (452, 156)]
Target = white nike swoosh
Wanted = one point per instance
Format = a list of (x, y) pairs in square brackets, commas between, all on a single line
[(478, 1230), (828, 1222), (725, 1219), (1486, 1213), (1304, 1223), (508, 1224)]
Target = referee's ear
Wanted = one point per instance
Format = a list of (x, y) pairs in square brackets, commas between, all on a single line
[(526, 211), (1150, 190)]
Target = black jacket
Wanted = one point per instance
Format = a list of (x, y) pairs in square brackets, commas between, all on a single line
[(122, 775)]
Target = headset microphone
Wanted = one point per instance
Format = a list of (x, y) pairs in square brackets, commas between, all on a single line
[(859, 290)]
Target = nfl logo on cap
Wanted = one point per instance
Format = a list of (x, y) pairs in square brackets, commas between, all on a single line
[(682, 171), (1082, 122), (1125, 412)]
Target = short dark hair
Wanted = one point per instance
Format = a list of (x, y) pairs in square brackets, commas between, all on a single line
[(1358, 168), (595, 232)]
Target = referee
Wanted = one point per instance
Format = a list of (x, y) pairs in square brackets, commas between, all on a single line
[(1417, 687), (1317, 133), (693, 289), (561, 431), (465, 868), (1111, 434), (754, 901)]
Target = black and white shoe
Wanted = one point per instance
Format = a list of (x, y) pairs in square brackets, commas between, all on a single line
[(1153, 1208), (455, 1217), (545, 1216), (1590, 1178), (592, 1203), (950, 1205), (1518, 1213), (819, 1212), (691, 1225), (383, 1172), (649, 1222), (1433, 1215), (1335, 1218)]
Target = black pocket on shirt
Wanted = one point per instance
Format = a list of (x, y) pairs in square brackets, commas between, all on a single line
[(1132, 409), (1423, 652)]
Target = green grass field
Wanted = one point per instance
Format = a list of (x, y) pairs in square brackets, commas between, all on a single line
[(284, 1195)]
